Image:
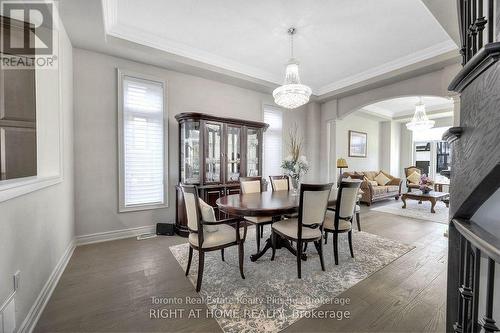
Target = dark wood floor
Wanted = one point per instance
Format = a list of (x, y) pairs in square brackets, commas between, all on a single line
[(107, 287)]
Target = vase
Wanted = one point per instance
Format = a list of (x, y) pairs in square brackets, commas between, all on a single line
[(425, 189), (295, 185)]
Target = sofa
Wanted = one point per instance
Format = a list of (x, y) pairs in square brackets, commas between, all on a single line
[(371, 190)]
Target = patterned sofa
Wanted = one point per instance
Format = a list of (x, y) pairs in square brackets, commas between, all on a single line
[(372, 192)]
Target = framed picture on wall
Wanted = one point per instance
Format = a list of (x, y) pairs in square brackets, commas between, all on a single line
[(357, 144)]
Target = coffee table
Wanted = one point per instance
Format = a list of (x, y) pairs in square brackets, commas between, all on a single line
[(432, 196)]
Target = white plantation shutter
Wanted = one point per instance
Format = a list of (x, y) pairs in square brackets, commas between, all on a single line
[(273, 142), (143, 142)]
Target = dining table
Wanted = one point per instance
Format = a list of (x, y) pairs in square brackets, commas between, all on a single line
[(269, 203)]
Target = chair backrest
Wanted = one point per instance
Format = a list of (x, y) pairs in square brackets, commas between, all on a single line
[(191, 202), (313, 203), (250, 184), (409, 170), (280, 183), (347, 197)]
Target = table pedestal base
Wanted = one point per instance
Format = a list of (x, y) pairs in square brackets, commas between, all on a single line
[(280, 243)]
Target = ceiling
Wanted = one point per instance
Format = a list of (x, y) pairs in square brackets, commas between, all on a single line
[(342, 46), (339, 43), (405, 106)]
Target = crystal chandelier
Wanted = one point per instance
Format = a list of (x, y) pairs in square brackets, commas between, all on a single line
[(420, 120), (292, 93)]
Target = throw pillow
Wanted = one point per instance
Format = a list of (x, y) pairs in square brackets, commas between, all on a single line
[(373, 182), (208, 215), (381, 179), (414, 178)]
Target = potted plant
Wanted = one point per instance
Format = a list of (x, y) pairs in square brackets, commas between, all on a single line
[(295, 165)]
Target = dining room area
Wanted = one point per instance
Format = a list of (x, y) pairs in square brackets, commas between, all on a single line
[(265, 253)]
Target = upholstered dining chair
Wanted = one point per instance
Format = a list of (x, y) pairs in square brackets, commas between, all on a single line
[(280, 183), (253, 185), (340, 220), (308, 227), (207, 234), (357, 210)]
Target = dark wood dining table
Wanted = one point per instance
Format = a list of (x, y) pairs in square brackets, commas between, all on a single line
[(276, 203)]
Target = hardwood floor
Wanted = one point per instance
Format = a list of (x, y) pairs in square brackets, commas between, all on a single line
[(108, 287)]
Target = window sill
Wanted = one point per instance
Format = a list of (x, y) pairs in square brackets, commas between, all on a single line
[(122, 209), (13, 188)]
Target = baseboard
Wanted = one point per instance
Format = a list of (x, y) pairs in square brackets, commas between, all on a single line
[(113, 235), (36, 310)]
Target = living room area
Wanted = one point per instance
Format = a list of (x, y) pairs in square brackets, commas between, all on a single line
[(397, 163)]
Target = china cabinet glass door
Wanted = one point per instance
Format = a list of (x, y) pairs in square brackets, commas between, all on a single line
[(233, 153), (253, 143), (190, 152), (213, 153)]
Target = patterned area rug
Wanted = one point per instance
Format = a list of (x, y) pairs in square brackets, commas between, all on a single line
[(271, 297), (417, 211)]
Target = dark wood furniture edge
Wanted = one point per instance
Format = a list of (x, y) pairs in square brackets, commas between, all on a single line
[(252, 212), (486, 188), (486, 57), (479, 237), (203, 116), (453, 134)]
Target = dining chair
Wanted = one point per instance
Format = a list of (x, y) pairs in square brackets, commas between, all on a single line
[(340, 220), (357, 210), (280, 183), (308, 226), (207, 234), (253, 185)]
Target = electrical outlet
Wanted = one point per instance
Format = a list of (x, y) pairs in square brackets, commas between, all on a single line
[(17, 280)]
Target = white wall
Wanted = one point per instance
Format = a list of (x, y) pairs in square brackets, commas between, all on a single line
[(385, 141), (37, 228), (362, 124), (96, 173)]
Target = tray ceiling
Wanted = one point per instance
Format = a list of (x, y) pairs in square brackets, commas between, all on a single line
[(338, 43)]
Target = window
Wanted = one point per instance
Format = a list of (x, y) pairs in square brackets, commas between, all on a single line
[(142, 148), (273, 142)]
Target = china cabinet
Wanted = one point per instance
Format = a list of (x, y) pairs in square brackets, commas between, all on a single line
[(214, 152)]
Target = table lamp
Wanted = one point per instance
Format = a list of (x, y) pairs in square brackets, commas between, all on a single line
[(341, 164)]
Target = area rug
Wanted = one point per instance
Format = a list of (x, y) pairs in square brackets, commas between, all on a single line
[(271, 297), (417, 211)]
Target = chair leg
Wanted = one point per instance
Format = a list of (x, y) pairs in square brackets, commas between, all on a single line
[(257, 236), (305, 247), (241, 254), (349, 237), (273, 242), (189, 260), (335, 248), (326, 238), (319, 247), (358, 221), (222, 254), (201, 264), (299, 258), (261, 231)]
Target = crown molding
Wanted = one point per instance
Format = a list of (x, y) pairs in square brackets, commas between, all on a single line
[(135, 35), (408, 60)]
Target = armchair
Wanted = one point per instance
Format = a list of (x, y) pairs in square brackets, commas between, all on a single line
[(207, 234), (408, 171)]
